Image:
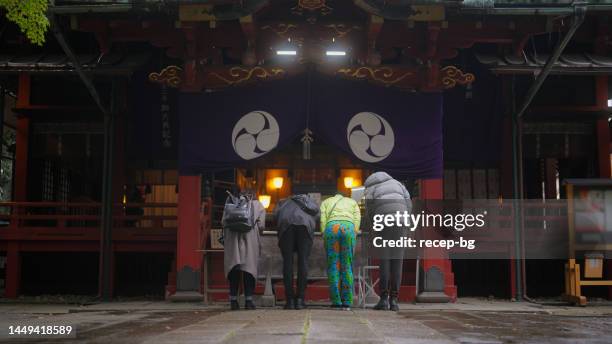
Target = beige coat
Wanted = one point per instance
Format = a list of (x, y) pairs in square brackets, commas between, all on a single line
[(243, 249)]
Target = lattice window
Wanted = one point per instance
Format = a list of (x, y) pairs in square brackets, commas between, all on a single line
[(469, 183), (47, 188), (63, 188)]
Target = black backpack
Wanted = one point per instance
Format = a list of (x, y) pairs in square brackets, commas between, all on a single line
[(238, 213)]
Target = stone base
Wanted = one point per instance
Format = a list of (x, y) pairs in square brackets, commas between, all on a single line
[(186, 296), (265, 301), (432, 297)]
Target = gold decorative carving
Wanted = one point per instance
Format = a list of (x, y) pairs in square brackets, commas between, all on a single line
[(451, 76), (170, 76), (311, 6), (385, 75), (238, 75), (280, 29)]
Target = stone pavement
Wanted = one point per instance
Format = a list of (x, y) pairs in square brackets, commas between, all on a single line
[(467, 321), (315, 326)]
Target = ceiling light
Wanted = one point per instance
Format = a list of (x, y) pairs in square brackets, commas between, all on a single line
[(335, 53), (286, 52)]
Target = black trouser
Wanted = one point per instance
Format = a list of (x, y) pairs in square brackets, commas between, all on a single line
[(390, 276), (234, 280), (295, 239)]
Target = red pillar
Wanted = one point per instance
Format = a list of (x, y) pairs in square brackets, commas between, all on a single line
[(439, 281), (188, 254), (13, 270), (22, 138)]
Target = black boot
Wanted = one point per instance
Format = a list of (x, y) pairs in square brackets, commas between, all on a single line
[(234, 305), (248, 304), (289, 304), (300, 304), (383, 303), (393, 305)]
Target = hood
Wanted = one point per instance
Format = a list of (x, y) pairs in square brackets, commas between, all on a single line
[(306, 203), (377, 178)]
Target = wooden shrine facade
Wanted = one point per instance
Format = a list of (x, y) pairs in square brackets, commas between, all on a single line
[(219, 45)]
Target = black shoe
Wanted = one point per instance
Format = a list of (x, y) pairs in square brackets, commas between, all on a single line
[(383, 303), (393, 305), (289, 304), (248, 304), (300, 304), (234, 305)]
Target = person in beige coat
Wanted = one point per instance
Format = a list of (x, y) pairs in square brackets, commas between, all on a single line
[(241, 256)]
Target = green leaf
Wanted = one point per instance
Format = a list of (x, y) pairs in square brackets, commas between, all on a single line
[(30, 16)]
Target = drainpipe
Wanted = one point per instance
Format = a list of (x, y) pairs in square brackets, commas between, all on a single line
[(59, 35), (517, 158), (106, 222), (579, 14), (107, 165), (516, 194)]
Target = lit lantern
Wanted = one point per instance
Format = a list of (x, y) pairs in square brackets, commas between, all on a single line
[(348, 182), (277, 182), (265, 200)]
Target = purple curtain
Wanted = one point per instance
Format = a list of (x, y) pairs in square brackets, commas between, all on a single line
[(385, 128)]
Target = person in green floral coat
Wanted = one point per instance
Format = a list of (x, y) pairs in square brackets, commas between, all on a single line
[(340, 219)]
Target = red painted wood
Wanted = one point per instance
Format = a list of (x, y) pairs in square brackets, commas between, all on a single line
[(22, 139), (188, 234), (13, 270), (22, 135), (432, 189)]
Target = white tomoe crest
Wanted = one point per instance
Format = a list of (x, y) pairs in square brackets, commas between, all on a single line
[(255, 134), (370, 137)]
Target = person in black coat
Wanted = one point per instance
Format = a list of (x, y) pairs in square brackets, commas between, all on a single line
[(296, 219)]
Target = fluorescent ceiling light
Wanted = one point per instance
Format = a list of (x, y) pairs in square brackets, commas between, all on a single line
[(286, 52), (335, 53), (609, 102)]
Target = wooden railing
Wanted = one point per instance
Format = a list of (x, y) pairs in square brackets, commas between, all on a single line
[(86, 215), (154, 218)]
